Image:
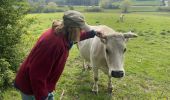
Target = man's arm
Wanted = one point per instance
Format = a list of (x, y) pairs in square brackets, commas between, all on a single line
[(87, 35), (91, 34)]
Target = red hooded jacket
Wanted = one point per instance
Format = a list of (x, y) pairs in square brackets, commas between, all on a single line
[(42, 68)]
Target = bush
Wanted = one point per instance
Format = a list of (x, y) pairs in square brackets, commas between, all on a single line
[(93, 9), (71, 7), (164, 9), (12, 26), (51, 10), (111, 6), (52, 7), (125, 5), (6, 75), (36, 9), (114, 6), (105, 3)]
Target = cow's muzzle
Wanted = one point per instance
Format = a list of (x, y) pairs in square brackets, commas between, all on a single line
[(117, 74)]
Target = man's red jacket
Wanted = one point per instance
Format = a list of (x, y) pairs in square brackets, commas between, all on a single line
[(42, 68)]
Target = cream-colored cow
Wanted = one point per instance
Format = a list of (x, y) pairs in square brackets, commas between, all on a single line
[(105, 53)]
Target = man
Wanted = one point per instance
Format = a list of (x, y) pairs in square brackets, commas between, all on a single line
[(40, 71)]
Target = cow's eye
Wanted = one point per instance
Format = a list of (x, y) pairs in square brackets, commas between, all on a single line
[(124, 50), (107, 51)]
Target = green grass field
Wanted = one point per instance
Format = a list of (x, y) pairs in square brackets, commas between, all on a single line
[(147, 60), (146, 3)]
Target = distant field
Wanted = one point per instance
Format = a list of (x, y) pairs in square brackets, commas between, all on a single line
[(147, 60), (146, 3), (143, 9), (142, 3)]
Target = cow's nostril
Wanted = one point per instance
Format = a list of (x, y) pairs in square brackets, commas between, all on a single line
[(117, 74)]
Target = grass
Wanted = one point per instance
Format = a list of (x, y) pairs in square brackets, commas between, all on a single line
[(143, 9), (142, 2), (146, 60), (146, 3)]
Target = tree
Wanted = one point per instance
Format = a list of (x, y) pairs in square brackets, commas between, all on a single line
[(163, 2), (51, 7), (12, 27), (125, 5), (52, 4), (104, 3)]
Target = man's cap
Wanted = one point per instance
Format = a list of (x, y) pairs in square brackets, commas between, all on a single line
[(73, 18)]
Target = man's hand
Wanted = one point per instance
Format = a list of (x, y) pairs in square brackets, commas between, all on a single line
[(100, 34)]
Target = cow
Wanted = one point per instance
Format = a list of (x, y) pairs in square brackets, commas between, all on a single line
[(106, 53)]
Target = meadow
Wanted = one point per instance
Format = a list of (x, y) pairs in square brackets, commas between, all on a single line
[(147, 60), (146, 3)]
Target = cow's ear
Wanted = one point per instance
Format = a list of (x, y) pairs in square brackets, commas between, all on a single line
[(129, 35)]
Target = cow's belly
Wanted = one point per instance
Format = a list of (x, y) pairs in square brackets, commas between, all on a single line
[(84, 48)]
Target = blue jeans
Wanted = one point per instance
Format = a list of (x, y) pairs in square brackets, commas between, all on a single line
[(31, 97)]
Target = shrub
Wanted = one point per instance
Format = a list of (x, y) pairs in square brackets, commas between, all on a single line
[(12, 27), (51, 10), (71, 7), (36, 8), (93, 9), (125, 5), (105, 3), (6, 75), (164, 9), (51, 7), (111, 6), (114, 6)]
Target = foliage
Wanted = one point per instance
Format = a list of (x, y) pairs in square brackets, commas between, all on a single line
[(68, 2), (93, 9), (146, 2), (12, 26), (36, 8), (143, 9), (43, 8), (105, 3), (6, 75), (52, 7), (126, 4), (164, 9), (71, 7)]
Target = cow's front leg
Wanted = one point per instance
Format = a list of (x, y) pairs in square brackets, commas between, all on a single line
[(110, 86), (84, 66), (95, 85)]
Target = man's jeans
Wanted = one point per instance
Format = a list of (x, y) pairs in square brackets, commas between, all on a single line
[(31, 97)]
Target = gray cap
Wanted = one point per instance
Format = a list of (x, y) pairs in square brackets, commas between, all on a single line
[(75, 19)]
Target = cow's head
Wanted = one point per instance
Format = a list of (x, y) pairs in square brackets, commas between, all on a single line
[(114, 49)]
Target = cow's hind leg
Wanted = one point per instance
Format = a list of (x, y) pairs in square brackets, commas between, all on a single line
[(95, 85), (110, 86)]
